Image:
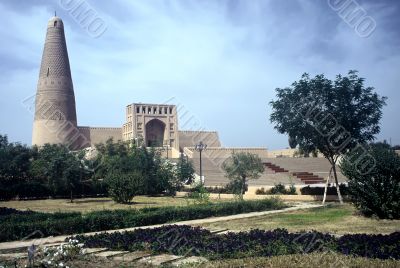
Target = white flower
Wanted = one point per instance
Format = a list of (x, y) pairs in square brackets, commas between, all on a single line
[(49, 262), (61, 264)]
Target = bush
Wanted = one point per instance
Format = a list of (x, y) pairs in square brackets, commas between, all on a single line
[(227, 189), (15, 227), (374, 181), (187, 240), (200, 194), (320, 190), (277, 189), (123, 187)]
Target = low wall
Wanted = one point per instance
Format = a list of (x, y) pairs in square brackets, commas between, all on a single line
[(225, 152), (305, 198)]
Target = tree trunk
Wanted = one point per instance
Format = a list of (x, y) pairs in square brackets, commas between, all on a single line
[(337, 183), (326, 186), (242, 188), (71, 196)]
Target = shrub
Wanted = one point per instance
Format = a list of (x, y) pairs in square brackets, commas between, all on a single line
[(308, 190), (123, 187), (11, 211), (187, 240), (374, 181), (230, 188), (278, 189), (200, 194), (261, 191), (15, 227)]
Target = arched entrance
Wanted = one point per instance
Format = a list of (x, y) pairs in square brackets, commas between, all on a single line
[(155, 133)]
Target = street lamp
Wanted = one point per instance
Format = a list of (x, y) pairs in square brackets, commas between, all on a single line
[(166, 144), (200, 147)]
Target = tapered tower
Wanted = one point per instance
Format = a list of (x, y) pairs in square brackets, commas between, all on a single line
[(55, 113)]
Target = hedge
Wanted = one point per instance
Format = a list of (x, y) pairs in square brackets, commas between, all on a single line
[(320, 190), (15, 227), (187, 240)]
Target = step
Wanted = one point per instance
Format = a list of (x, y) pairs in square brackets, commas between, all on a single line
[(188, 261), (94, 250), (132, 256), (13, 256), (159, 259), (108, 254), (313, 182)]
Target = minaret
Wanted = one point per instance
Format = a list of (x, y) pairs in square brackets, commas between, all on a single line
[(55, 114)]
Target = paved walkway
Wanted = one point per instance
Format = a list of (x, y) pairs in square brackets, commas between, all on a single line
[(59, 239)]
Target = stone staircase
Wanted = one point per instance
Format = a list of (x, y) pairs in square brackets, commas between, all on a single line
[(275, 168), (300, 171), (305, 177), (308, 178)]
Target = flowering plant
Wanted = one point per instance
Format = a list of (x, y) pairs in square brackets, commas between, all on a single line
[(59, 256)]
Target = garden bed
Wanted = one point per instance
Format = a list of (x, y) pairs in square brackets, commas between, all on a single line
[(187, 240), (15, 226)]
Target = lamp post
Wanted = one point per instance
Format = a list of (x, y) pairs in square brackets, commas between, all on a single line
[(166, 144), (200, 147)]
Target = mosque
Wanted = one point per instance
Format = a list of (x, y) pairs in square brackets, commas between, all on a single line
[(153, 125)]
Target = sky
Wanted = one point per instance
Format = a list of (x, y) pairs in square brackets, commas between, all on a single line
[(218, 60)]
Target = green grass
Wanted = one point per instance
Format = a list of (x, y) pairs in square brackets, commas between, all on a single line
[(86, 205), (307, 260), (314, 216), (331, 219), (324, 259)]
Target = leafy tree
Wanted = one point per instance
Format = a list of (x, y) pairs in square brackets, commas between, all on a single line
[(122, 187), (377, 192), (241, 167), (185, 170), (158, 175), (15, 160), (57, 168), (332, 117)]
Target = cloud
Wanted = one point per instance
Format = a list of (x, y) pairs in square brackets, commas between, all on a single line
[(221, 59)]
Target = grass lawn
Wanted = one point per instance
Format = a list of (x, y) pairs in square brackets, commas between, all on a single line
[(324, 259), (93, 204), (333, 219)]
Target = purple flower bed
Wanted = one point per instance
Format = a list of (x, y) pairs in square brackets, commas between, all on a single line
[(187, 240)]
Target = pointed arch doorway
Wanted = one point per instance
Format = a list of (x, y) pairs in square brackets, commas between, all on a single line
[(155, 133)]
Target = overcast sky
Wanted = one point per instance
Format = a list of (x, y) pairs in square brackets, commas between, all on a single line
[(220, 61)]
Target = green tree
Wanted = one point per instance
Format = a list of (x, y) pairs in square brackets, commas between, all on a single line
[(332, 117), (241, 167), (57, 168), (122, 187), (15, 160), (377, 192), (185, 170), (158, 175)]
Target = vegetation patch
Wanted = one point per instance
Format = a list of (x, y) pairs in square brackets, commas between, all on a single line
[(278, 189), (187, 240), (15, 226), (331, 190), (316, 259)]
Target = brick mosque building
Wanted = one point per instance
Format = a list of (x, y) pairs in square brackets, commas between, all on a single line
[(153, 125)]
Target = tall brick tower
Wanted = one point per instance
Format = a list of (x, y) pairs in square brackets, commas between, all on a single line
[(55, 114)]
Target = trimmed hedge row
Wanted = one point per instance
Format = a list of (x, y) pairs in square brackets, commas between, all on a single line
[(320, 190), (37, 190), (187, 240), (15, 227)]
